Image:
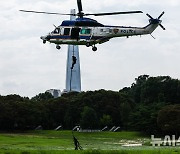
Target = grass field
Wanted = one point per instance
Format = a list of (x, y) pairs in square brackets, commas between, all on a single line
[(47, 142)]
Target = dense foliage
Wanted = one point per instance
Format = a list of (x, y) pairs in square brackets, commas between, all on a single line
[(147, 105)]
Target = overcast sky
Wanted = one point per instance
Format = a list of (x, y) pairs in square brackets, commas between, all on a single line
[(28, 67)]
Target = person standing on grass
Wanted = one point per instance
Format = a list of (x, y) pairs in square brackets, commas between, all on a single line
[(77, 144)]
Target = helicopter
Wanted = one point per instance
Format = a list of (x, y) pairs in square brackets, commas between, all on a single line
[(89, 32)]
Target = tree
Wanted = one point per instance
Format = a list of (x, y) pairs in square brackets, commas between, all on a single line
[(125, 113), (144, 118), (134, 107), (42, 97), (106, 120), (137, 87), (89, 118), (169, 119)]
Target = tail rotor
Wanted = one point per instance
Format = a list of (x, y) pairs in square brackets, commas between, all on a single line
[(157, 20)]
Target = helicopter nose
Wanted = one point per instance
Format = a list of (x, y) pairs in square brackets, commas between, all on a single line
[(42, 37), (48, 37), (45, 38)]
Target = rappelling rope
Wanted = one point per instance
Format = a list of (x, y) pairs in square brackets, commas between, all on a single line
[(71, 73)]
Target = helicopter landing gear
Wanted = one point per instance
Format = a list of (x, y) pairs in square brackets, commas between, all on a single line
[(58, 47), (88, 44), (94, 48), (44, 41)]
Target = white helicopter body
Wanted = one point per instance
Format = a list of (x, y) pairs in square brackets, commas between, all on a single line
[(89, 32)]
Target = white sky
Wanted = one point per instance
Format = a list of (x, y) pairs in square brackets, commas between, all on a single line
[(28, 67)]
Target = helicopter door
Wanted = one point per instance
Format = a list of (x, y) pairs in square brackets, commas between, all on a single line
[(66, 31), (75, 33)]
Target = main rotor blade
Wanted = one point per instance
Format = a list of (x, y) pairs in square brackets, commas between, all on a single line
[(79, 3), (44, 12), (161, 15), (112, 13)]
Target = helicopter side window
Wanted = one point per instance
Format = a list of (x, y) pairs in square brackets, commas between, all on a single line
[(101, 30), (66, 31), (108, 30), (88, 31), (85, 31), (57, 31)]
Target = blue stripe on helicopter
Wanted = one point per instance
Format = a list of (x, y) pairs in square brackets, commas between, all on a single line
[(81, 37)]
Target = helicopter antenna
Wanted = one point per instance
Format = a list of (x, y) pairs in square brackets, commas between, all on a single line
[(152, 36)]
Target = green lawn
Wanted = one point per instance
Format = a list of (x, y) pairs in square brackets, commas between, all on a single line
[(62, 142)]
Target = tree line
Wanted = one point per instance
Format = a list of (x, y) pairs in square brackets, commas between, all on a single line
[(150, 105)]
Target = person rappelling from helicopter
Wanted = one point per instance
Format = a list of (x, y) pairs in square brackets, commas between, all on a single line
[(74, 59)]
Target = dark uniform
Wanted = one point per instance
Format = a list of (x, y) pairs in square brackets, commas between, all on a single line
[(76, 144), (74, 59)]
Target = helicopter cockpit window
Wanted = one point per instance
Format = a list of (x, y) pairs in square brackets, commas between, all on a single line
[(57, 31), (85, 31)]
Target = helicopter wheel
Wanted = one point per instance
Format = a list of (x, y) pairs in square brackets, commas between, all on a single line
[(58, 47), (88, 44), (94, 48), (44, 41)]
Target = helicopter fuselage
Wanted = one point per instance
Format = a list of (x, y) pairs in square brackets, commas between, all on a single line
[(89, 32)]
